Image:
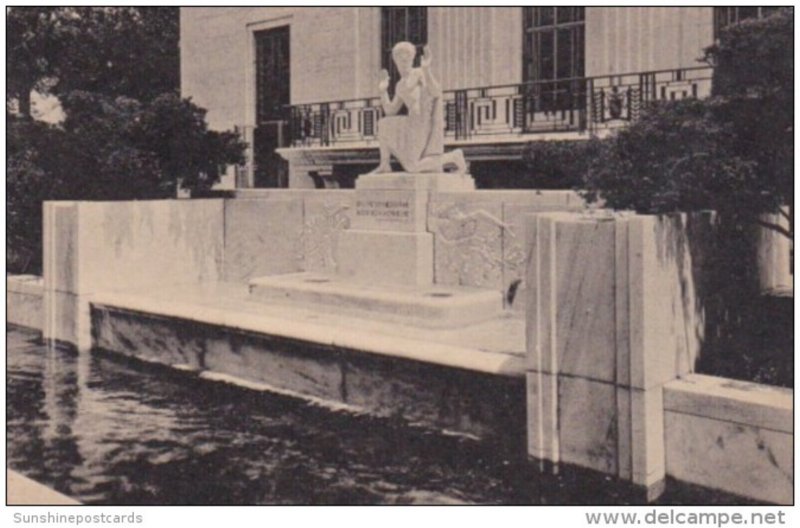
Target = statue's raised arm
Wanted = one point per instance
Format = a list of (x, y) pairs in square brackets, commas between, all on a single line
[(433, 86)]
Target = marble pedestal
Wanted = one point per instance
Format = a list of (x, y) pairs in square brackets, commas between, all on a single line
[(389, 242), (385, 262)]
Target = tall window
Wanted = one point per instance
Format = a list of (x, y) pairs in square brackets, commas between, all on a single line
[(553, 46), (272, 73), (272, 100), (725, 16), (402, 24)]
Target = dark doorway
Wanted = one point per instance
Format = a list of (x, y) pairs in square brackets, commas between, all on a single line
[(272, 106)]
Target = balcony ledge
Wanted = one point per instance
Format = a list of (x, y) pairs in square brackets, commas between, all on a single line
[(485, 148)]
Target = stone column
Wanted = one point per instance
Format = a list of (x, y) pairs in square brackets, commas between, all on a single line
[(611, 317), (65, 299), (775, 255)]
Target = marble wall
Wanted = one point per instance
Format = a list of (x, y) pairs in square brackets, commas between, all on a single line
[(24, 301), (612, 316), (92, 247), (478, 236), (615, 322), (262, 237), (634, 39), (129, 242), (149, 243), (271, 231), (731, 435)]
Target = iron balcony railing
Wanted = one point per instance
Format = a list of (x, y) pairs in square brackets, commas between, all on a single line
[(586, 104)]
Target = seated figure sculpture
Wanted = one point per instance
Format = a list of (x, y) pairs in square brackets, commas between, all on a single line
[(416, 140)]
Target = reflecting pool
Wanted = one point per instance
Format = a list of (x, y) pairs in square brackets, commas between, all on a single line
[(108, 430)]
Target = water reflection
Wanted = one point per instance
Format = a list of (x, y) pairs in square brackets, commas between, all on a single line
[(106, 430)]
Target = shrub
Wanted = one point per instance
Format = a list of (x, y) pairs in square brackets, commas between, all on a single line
[(559, 164), (676, 157), (145, 150), (35, 171), (754, 94)]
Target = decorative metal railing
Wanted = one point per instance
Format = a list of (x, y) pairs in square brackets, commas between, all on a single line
[(586, 104)]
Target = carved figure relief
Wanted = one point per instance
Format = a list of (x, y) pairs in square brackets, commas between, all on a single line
[(469, 245), (320, 233)]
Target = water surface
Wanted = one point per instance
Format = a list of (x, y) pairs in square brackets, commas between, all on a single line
[(108, 430)]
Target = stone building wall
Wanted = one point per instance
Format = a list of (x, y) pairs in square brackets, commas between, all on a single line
[(633, 39), (335, 52)]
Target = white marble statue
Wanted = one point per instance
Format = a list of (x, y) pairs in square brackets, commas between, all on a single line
[(416, 140)]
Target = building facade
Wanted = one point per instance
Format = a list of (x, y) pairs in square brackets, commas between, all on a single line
[(300, 83)]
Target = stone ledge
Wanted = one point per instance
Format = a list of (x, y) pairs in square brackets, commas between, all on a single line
[(740, 402), (386, 340), (416, 181), (29, 284), (429, 307), (419, 393)]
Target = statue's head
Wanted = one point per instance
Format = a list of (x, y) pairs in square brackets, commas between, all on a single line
[(403, 54)]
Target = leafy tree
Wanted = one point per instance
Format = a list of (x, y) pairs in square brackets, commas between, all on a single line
[(133, 149), (127, 134), (32, 37), (754, 94), (27, 184), (130, 51), (558, 164), (676, 157), (732, 152), (175, 131)]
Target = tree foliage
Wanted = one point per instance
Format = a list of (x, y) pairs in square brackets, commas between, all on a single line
[(732, 152), (137, 149), (754, 95), (558, 164), (676, 157), (31, 150), (128, 51), (755, 58), (127, 134)]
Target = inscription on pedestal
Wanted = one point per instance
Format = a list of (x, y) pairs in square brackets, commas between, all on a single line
[(389, 210), (384, 210)]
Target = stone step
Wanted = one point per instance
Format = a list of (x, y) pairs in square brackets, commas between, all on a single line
[(435, 306)]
